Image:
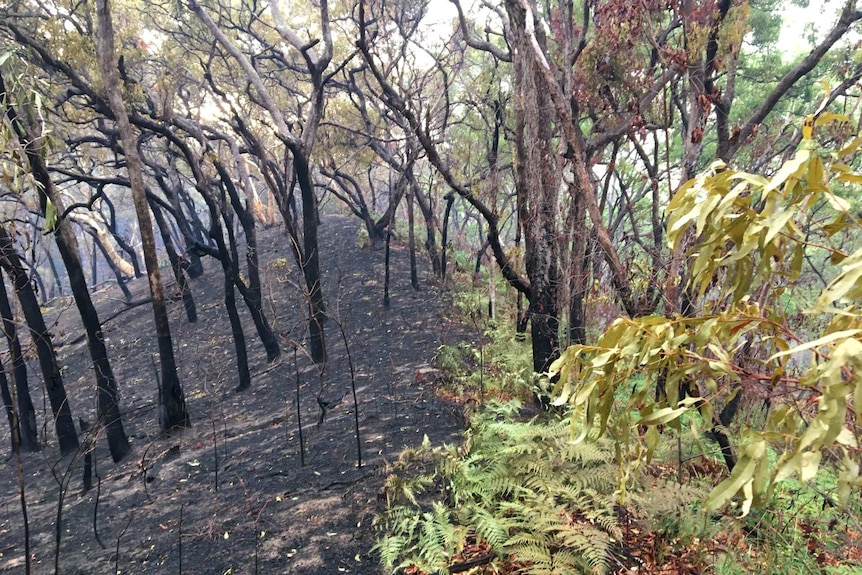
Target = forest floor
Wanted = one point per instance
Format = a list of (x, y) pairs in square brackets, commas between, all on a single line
[(230, 495)]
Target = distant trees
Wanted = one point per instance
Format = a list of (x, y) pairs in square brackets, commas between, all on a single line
[(172, 405), (563, 129), (611, 107)]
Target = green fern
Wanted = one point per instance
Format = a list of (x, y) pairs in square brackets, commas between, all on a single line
[(525, 489), (664, 500)]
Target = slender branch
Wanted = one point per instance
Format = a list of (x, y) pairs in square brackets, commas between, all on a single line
[(849, 15)]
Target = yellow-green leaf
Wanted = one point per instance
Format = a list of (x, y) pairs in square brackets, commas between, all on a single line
[(663, 415), (808, 128), (819, 342)]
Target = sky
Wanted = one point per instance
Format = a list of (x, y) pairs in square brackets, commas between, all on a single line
[(798, 23)]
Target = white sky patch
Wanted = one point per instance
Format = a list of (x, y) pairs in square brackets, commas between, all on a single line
[(151, 40), (801, 25)]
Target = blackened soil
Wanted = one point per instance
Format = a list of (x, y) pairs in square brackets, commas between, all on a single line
[(231, 495)]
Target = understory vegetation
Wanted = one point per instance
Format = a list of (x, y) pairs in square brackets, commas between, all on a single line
[(637, 465), (519, 495)]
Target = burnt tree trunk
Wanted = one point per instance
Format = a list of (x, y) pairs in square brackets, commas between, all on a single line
[(194, 265), (111, 224), (14, 434), (311, 258), (450, 198), (67, 436), (430, 233), (94, 264), (173, 413), (117, 273), (578, 269), (58, 282), (411, 238), (67, 244), (252, 293), (229, 268), (176, 264), (537, 182), (29, 432)]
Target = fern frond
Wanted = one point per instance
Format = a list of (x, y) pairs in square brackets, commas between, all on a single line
[(521, 487)]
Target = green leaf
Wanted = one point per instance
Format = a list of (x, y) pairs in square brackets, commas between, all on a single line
[(841, 222), (790, 168), (816, 175), (847, 286), (50, 216), (776, 222), (847, 478), (849, 178), (829, 117), (661, 416), (809, 464), (838, 203), (850, 148), (742, 474)]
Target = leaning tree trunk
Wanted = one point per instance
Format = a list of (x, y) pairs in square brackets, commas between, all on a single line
[(29, 432), (430, 233), (106, 384), (173, 413), (118, 274), (67, 245), (14, 429), (229, 268), (202, 185), (67, 436), (111, 224), (176, 265), (194, 266), (253, 293)]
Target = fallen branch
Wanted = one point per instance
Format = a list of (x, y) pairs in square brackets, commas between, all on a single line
[(470, 563)]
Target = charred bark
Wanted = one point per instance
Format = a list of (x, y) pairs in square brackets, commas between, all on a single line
[(252, 293), (430, 231), (193, 265), (228, 267), (26, 412), (67, 436), (450, 198), (411, 239), (311, 258), (10, 411), (173, 413), (67, 245), (537, 181), (176, 264), (118, 274)]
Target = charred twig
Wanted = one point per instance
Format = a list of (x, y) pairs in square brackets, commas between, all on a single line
[(299, 412), (117, 549)]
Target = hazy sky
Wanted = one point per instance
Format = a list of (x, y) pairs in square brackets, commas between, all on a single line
[(798, 22)]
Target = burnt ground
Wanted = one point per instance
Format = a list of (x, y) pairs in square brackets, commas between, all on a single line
[(230, 495)]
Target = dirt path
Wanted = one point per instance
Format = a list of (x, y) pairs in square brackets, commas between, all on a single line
[(230, 495)]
